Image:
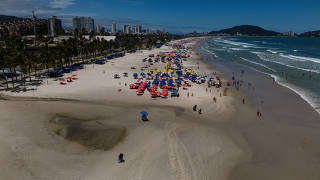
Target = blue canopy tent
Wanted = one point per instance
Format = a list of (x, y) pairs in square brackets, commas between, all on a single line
[(74, 67), (100, 61), (178, 80), (179, 73), (67, 69), (170, 83), (156, 81), (56, 73), (174, 90)]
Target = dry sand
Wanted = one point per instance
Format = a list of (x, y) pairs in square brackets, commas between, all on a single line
[(176, 143)]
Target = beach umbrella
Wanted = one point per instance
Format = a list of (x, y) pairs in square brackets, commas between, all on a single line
[(144, 113)]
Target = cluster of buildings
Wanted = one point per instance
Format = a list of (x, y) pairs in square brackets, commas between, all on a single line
[(87, 23), (290, 33), (24, 26), (134, 29), (53, 26)]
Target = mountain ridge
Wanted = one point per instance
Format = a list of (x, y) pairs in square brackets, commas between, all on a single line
[(248, 30)]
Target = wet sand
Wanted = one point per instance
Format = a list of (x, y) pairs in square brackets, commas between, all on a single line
[(283, 143)]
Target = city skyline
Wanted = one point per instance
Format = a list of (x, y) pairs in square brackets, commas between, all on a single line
[(177, 16)]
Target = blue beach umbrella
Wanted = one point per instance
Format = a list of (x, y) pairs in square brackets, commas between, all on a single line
[(144, 113)]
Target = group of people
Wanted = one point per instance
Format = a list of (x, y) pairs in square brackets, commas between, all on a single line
[(195, 109)]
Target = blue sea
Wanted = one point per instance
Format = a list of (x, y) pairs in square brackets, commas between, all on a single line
[(293, 62)]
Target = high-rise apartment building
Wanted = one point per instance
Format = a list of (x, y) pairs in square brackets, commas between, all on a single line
[(136, 29), (126, 29), (54, 26), (97, 30), (114, 28), (80, 23)]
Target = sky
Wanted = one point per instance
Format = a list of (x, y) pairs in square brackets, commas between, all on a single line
[(178, 16)]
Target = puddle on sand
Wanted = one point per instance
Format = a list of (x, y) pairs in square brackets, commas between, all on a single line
[(89, 133)]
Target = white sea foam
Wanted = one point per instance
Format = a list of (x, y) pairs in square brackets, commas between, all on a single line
[(238, 49), (208, 51), (259, 54), (301, 58), (259, 64), (304, 94), (273, 52), (244, 45)]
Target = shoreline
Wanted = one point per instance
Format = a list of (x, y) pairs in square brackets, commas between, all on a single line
[(306, 95), (289, 124)]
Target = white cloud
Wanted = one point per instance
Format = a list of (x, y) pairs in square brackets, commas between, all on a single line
[(60, 4), (25, 7)]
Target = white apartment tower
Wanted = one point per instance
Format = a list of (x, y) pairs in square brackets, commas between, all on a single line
[(114, 28)]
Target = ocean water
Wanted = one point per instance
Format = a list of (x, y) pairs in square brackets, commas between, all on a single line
[(293, 62)]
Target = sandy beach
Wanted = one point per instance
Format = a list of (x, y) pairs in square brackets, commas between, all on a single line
[(227, 141)]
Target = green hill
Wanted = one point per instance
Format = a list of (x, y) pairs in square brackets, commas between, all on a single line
[(311, 34), (4, 18), (247, 30)]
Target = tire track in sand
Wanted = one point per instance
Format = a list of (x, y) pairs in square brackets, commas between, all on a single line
[(179, 158)]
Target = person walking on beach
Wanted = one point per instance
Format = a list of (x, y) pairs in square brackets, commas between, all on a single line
[(259, 114), (200, 112), (243, 101), (214, 99), (194, 108), (120, 159)]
